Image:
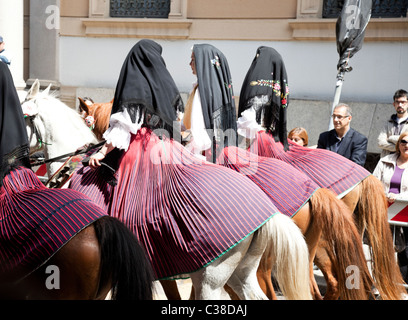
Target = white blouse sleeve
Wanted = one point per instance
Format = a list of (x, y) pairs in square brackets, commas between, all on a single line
[(247, 126), (120, 129)]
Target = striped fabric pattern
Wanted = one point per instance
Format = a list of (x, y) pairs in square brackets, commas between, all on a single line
[(185, 212), (328, 169), (288, 188), (35, 222)]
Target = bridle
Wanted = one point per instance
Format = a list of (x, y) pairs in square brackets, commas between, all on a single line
[(37, 133), (41, 143)]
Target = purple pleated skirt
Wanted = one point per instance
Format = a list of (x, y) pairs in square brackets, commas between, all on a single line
[(288, 188), (185, 212), (35, 222), (326, 168)]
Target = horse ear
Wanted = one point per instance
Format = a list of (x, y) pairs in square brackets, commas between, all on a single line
[(83, 105), (34, 90), (46, 92)]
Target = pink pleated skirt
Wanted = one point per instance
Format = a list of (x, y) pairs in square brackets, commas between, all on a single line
[(185, 212), (288, 188), (326, 168)]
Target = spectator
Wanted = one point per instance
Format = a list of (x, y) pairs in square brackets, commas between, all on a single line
[(391, 170), (299, 136), (397, 124), (343, 139)]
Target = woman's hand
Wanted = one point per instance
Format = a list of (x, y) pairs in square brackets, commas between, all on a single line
[(391, 197), (95, 159)]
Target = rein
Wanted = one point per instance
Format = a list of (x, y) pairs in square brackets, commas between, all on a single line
[(67, 155), (36, 131)]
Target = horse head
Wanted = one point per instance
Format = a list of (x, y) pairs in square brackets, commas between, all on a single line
[(35, 129), (95, 115), (52, 126)]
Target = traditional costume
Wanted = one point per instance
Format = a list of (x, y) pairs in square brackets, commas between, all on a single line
[(263, 103), (210, 114), (35, 222), (288, 188), (185, 212)]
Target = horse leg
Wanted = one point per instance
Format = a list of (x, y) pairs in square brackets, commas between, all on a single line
[(323, 260), (209, 282), (264, 275), (244, 279), (304, 220), (170, 289), (326, 266)]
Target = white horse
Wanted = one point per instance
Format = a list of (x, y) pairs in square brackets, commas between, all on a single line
[(279, 239), (57, 129), (53, 127)]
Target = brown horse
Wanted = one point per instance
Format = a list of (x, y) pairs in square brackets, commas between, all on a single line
[(98, 113), (368, 202), (104, 256), (57, 244), (366, 199), (323, 215)]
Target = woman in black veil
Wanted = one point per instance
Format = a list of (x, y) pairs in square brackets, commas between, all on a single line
[(263, 104), (210, 113), (185, 211)]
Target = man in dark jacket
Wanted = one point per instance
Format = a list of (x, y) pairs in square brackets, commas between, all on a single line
[(342, 139)]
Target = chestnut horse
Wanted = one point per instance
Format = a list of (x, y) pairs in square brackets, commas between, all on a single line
[(323, 215), (367, 200), (100, 254)]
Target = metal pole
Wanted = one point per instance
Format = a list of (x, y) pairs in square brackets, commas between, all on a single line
[(337, 94)]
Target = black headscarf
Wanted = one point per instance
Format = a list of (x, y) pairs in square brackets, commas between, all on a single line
[(14, 145), (144, 88), (216, 91), (146, 85), (267, 78)]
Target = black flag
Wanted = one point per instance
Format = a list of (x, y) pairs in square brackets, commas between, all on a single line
[(350, 30)]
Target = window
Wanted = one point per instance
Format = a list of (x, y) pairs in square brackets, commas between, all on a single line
[(140, 8), (381, 8)]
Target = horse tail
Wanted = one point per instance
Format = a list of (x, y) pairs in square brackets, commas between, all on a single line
[(372, 216), (345, 247), (290, 257), (123, 261)]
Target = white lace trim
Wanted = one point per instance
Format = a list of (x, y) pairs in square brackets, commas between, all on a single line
[(247, 126), (120, 129)]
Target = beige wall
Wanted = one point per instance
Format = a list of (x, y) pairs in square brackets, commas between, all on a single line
[(75, 8), (264, 20), (242, 9)]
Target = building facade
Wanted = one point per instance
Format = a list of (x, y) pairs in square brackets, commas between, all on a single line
[(79, 46)]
